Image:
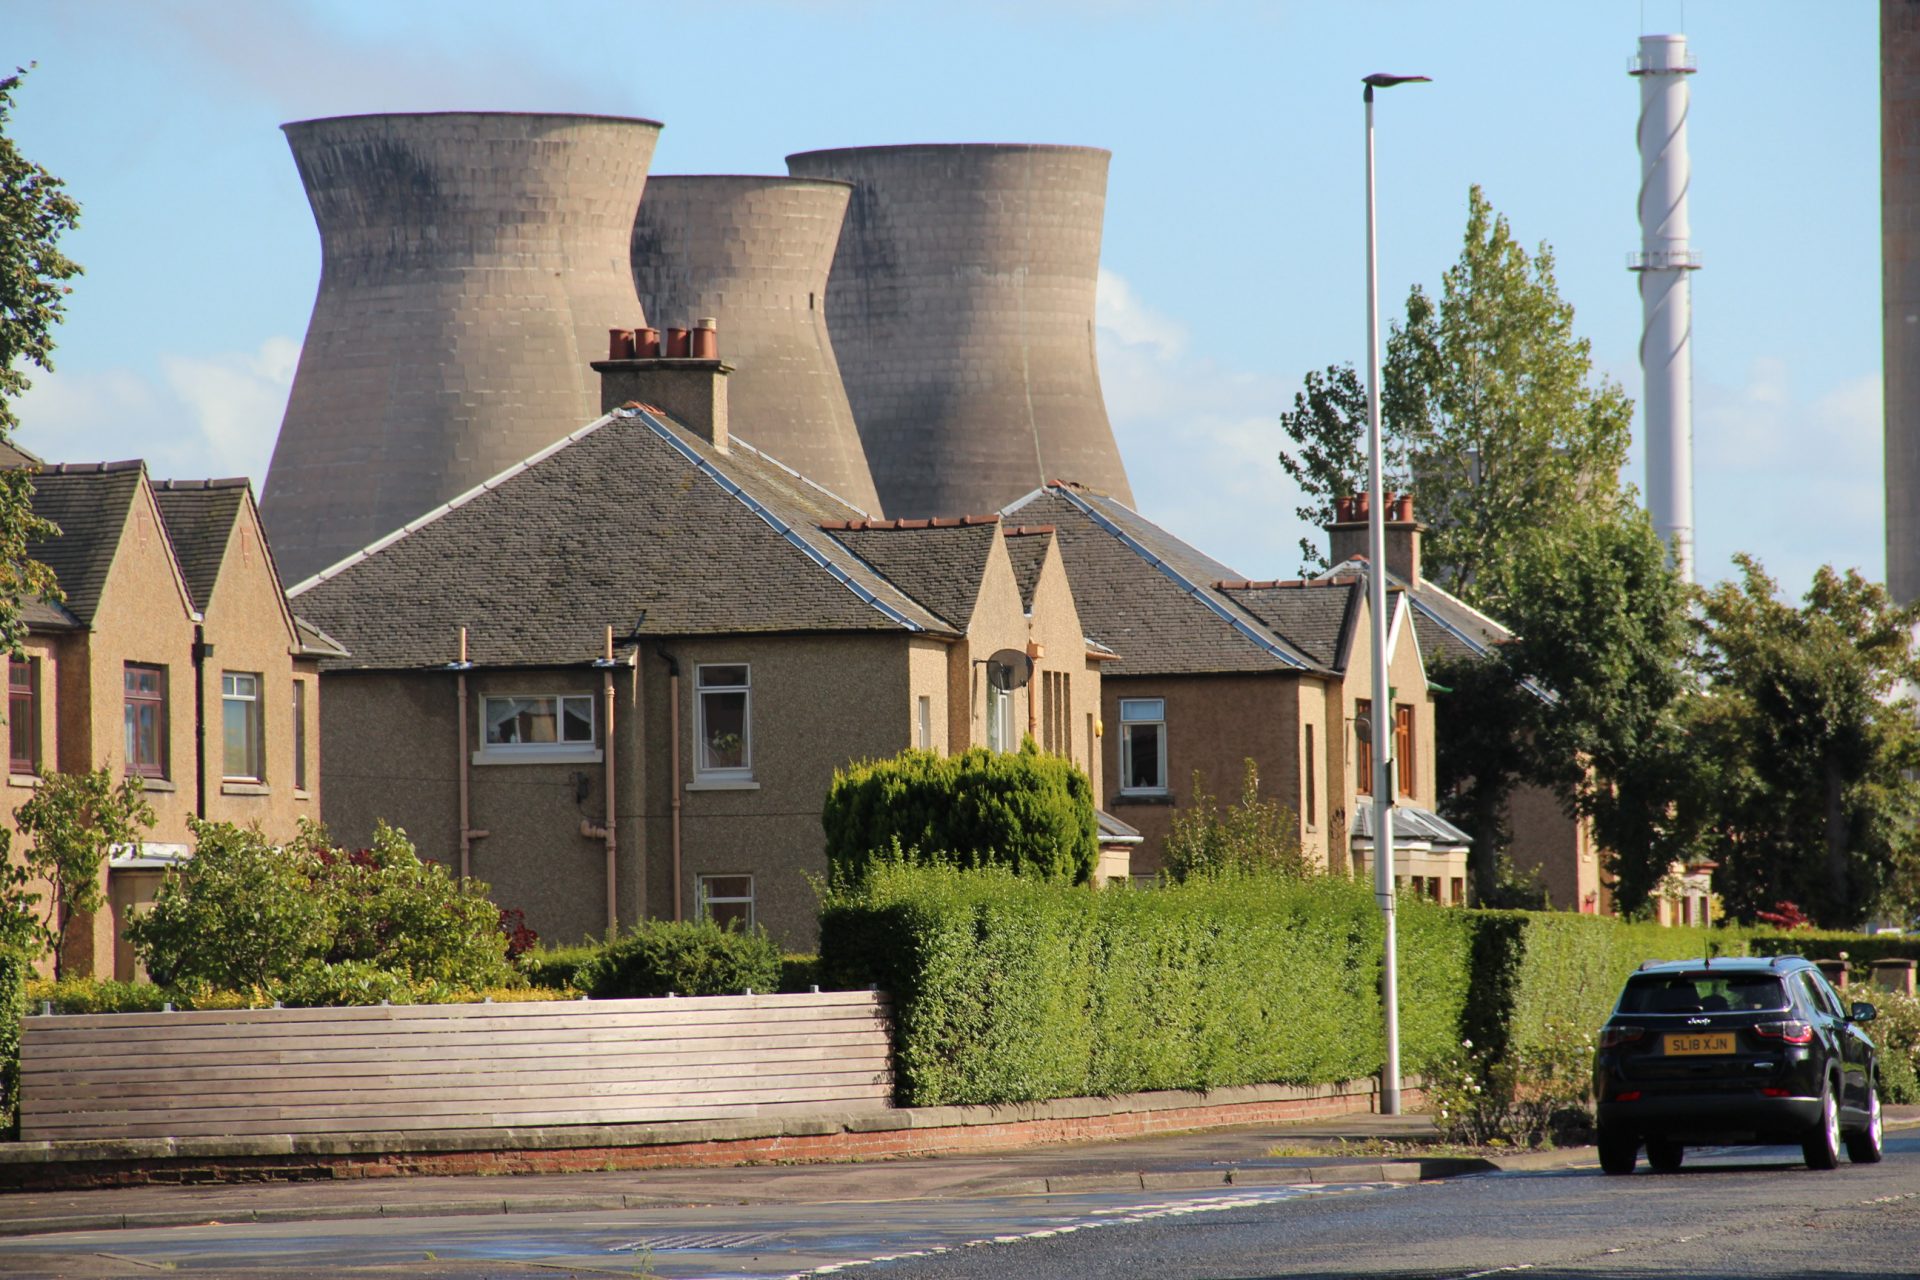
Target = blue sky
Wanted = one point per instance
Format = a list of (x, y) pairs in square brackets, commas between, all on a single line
[(1233, 257)]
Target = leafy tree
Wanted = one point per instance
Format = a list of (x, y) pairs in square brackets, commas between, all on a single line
[(1488, 406), (72, 823), (1809, 721), (1250, 837), (34, 211)]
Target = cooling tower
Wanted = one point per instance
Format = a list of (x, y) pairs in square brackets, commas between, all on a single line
[(753, 253), (471, 265), (1900, 287), (961, 307)]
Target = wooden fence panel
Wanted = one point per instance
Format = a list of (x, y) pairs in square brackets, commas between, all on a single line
[(247, 1072)]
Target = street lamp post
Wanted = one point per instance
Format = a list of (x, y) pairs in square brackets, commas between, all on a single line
[(1382, 781)]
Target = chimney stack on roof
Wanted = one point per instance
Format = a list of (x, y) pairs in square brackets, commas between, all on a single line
[(1347, 535), (689, 382)]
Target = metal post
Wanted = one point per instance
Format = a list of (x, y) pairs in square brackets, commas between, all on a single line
[(1382, 781)]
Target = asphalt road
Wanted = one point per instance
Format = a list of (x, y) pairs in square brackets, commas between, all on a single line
[(1751, 1213)]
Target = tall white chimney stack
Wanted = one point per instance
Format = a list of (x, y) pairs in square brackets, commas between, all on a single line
[(1663, 265)]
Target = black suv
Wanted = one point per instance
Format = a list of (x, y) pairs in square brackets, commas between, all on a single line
[(1735, 1050)]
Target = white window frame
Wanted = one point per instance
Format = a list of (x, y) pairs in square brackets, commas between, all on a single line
[(703, 897), (1126, 743), (254, 716), (743, 772), (1000, 709), (923, 718), (565, 751)]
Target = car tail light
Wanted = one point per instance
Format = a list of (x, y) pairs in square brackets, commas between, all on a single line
[(1614, 1037), (1775, 1091), (1793, 1031), (1631, 1095)]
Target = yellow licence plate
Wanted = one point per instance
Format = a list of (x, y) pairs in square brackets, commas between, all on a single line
[(1699, 1042)]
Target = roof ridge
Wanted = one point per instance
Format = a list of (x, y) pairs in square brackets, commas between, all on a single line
[(736, 491), (1192, 588), (802, 477), (91, 468), (1028, 530), (195, 486), (452, 504), (929, 522)]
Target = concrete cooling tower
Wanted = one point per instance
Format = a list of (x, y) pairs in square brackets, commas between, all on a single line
[(1900, 287), (961, 306), (471, 265), (753, 253)]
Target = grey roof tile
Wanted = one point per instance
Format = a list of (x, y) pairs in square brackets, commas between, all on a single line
[(940, 564), (199, 515), (1027, 548), (631, 522), (1315, 617), (90, 503), (1158, 624)]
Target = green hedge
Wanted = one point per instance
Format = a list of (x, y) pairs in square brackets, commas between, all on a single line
[(1024, 810), (1823, 944), (692, 958), (14, 972), (1009, 989)]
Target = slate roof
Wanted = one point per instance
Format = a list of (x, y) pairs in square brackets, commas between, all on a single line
[(1447, 626), (940, 563), (199, 515), (90, 502), (631, 521), (1412, 825), (12, 455), (1149, 596), (1027, 548), (1315, 617)]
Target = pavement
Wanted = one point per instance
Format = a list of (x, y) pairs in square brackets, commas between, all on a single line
[(1353, 1148)]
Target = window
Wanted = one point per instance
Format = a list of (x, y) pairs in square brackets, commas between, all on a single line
[(999, 708), (240, 736), (724, 721), (1143, 741), (1363, 746), (537, 726), (23, 715), (725, 900), (299, 735), (923, 717), (1309, 785), (1459, 897), (1057, 715), (146, 710), (1403, 747)]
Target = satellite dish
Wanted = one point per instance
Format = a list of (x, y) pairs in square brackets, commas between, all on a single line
[(1016, 668)]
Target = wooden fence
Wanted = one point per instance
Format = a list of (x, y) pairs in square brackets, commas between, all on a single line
[(410, 1067)]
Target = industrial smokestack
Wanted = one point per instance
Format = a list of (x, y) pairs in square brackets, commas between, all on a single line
[(1900, 287), (754, 253), (961, 305), (471, 265), (1664, 264)]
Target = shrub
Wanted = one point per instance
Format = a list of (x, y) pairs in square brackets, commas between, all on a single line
[(556, 968), (1253, 836), (69, 824), (1532, 1097), (692, 958), (1026, 811), (1896, 1033), (15, 968), (1010, 989), (305, 922)]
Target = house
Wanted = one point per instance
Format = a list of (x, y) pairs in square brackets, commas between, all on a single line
[(615, 681), (1215, 670), (174, 658)]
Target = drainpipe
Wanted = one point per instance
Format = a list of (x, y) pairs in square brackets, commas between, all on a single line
[(673, 753), (606, 682), (201, 652)]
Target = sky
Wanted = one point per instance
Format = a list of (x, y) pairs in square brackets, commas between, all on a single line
[(1234, 252)]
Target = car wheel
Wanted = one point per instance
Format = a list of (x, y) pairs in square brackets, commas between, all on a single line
[(1864, 1147), (1664, 1156), (1822, 1143), (1618, 1152)]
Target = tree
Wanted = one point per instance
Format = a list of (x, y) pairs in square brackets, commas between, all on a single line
[(71, 824), (1809, 722), (1488, 406), (1253, 836), (34, 211)]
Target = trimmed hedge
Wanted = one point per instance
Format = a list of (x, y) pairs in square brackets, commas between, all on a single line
[(1009, 989), (14, 972), (1824, 944), (691, 958), (1024, 810)]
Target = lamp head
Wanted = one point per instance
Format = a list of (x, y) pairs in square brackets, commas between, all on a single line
[(1381, 80)]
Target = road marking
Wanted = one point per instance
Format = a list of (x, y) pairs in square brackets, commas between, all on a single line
[(1123, 1215)]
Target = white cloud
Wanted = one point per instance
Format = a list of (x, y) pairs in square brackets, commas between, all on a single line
[(203, 416), (1200, 440)]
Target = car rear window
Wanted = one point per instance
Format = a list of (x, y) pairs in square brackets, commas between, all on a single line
[(1702, 993)]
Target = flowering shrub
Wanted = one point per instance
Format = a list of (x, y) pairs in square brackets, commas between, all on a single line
[(520, 938), (1785, 915), (1532, 1097), (1896, 1033)]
